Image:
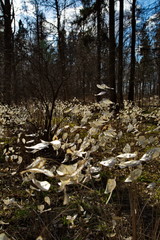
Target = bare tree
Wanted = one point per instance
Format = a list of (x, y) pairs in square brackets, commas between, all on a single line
[(120, 56), (99, 23), (112, 45), (8, 16), (133, 59)]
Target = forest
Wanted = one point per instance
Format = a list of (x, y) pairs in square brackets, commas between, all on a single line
[(80, 119)]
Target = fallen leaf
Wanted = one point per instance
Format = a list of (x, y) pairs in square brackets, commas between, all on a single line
[(127, 155), (37, 170), (39, 238), (3, 223), (127, 148), (42, 185), (9, 201), (37, 163), (100, 93), (132, 163), (56, 144), (134, 175), (111, 184), (66, 197), (150, 154), (38, 147), (109, 162), (103, 86), (47, 200), (40, 208), (3, 236)]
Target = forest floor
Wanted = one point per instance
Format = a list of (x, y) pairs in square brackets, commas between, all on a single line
[(98, 178)]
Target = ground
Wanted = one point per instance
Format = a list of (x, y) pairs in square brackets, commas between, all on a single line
[(44, 197)]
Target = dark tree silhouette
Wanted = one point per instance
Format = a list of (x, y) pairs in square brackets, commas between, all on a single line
[(8, 15), (133, 60), (112, 45), (120, 56)]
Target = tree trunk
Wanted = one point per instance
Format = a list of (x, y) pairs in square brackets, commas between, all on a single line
[(133, 41), (98, 5), (120, 56), (8, 50), (112, 94), (61, 50)]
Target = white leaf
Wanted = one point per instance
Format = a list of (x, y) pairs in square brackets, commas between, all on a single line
[(97, 123), (127, 155), (47, 200), (109, 162), (134, 175), (30, 141), (127, 148), (130, 127), (9, 201), (132, 163), (3, 223), (3, 236), (95, 169), (66, 197), (66, 169), (76, 137), (30, 135), (38, 170), (37, 163), (71, 219), (75, 128), (20, 159), (56, 144), (150, 154), (38, 147), (106, 102), (151, 185), (93, 131), (42, 185), (13, 157), (111, 184), (23, 140), (64, 136), (101, 93), (70, 174), (103, 86), (41, 208), (39, 238), (96, 176)]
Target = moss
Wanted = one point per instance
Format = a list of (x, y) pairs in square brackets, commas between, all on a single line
[(2, 158), (22, 214), (148, 177), (157, 194), (150, 126)]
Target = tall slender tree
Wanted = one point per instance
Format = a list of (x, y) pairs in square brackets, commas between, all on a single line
[(120, 56), (133, 59), (99, 23), (112, 44), (8, 16)]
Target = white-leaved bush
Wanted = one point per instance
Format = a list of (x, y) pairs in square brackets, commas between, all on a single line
[(92, 140)]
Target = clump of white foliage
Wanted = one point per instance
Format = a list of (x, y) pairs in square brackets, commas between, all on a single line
[(92, 139)]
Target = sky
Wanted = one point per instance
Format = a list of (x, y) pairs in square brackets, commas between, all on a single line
[(70, 11), (146, 2)]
